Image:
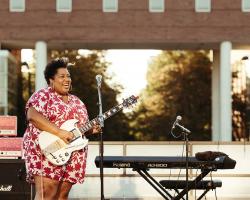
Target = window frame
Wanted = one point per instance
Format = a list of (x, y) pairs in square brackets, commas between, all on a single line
[(153, 10), (16, 9), (200, 8), (105, 9), (243, 5), (59, 9)]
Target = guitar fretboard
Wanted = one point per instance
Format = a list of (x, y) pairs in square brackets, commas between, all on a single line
[(106, 115)]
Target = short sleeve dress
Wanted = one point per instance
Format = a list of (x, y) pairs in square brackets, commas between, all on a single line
[(50, 104)]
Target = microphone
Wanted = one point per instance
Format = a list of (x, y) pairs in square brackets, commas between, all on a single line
[(178, 118), (99, 80)]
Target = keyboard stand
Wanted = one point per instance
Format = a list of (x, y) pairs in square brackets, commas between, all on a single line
[(192, 184), (181, 184), (156, 185), (162, 186)]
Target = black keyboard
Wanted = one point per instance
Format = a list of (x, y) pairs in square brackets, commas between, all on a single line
[(147, 162)]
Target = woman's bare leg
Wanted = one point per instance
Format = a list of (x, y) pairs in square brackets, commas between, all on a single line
[(63, 190), (46, 188)]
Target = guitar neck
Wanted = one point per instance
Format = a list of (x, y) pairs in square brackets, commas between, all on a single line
[(95, 121)]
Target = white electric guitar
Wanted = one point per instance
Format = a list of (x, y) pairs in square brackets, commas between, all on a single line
[(58, 152)]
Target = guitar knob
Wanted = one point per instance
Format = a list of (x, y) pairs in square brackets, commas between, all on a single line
[(66, 154), (60, 155), (63, 159), (57, 161)]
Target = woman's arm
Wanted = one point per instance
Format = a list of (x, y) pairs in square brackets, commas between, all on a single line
[(40, 122)]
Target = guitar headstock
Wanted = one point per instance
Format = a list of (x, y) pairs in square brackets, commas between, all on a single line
[(130, 101)]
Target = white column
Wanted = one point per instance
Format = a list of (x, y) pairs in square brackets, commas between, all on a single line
[(41, 62), (225, 92), (4, 54), (216, 96)]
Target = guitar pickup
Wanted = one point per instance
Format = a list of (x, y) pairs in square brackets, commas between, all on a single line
[(76, 133), (75, 138)]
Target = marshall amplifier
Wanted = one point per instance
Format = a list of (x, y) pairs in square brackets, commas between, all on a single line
[(12, 180)]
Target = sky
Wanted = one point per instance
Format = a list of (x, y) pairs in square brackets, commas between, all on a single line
[(237, 55), (129, 67)]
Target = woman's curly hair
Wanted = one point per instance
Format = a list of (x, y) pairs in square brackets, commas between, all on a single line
[(53, 66)]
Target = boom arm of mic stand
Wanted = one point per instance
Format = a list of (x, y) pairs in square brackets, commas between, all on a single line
[(100, 116), (183, 128)]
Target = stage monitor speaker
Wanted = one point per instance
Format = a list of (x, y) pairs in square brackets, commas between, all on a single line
[(13, 185)]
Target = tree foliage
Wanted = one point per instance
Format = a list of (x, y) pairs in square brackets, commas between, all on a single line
[(179, 83), (83, 74), (239, 103)]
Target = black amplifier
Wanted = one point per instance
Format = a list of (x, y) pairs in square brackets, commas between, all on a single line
[(13, 185)]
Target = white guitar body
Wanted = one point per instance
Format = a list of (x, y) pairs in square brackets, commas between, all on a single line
[(55, 149)]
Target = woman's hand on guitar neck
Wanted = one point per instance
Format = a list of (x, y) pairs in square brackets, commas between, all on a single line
[(66, 136), (96, 129)]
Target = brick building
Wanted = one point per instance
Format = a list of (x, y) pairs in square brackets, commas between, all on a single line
[(220, 25)]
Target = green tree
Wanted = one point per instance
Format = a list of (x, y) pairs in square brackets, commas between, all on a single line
[(179, 83), (83, 74)]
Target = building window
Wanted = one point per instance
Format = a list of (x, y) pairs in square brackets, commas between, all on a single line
[(156, 6), (63, 5), (17, 5), (110, 5), (203, 5), (245, 5)]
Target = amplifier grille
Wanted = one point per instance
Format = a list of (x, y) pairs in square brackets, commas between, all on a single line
[(12, 180)]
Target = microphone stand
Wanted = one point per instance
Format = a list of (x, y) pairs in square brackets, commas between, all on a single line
[(101, 122), (186, 132), (186, 143)]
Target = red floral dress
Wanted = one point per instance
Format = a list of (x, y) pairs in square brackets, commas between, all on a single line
[(50, 104)]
